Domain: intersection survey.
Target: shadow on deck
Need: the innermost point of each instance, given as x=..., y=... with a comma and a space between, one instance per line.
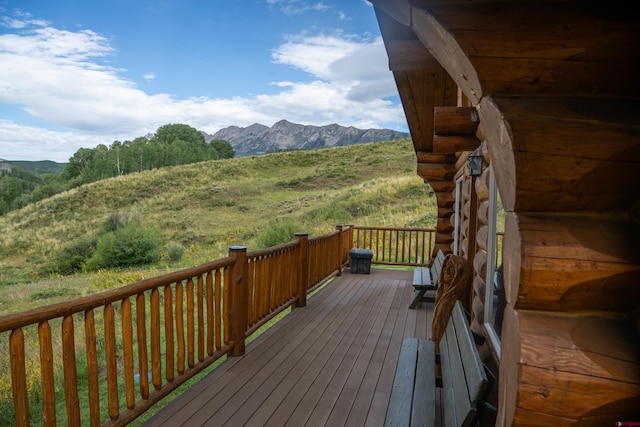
x=331, y=363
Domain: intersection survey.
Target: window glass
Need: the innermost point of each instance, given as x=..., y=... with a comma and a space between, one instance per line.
x=494, y=291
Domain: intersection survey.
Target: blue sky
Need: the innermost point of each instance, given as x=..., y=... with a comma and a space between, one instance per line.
x=78, y=73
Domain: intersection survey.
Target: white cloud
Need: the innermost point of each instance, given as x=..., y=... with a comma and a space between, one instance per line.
x=18, y=142
x=62, y=78
x=297, y=7
x=149, y=76
x=359, y=67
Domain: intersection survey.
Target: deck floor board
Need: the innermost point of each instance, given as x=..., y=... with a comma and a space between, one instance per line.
x=331, y=363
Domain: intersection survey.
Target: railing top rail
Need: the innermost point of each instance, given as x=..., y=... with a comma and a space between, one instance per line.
x=273, y=249
x=62, y=309
x=363, y=227
x=323, y=236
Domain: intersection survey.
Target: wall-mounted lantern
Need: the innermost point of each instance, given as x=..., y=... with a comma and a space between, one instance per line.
x=475, y=162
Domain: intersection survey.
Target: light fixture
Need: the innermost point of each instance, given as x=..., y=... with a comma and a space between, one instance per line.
x=475, y=161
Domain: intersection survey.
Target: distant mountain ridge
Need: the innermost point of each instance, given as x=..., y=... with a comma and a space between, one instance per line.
x=284, y=135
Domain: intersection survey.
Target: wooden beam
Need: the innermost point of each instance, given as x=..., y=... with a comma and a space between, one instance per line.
x=414, y=105
x=448, y=144
x=455, y=120
x=407, y=55
x=580, y=368
x=436, y=171
x=569, y=154
x=571, y=263
x=430, y=157
x=400, y=10
x=518, y=48
x=443, y=186
x=442, y=45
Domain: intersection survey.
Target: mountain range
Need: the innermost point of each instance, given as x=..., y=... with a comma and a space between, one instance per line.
x=284, y=135
x=260, y=139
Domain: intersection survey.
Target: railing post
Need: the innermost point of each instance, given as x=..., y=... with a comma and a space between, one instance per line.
x=238, y=307
x=303, y=268
x=349, y=242
x=339, y=251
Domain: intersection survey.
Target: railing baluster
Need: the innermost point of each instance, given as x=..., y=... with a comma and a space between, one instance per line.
x=252, y=312
x=280, y=281
x=179, y=335
x=266, y=284
x=70, y=373
x=112, y=362
x=190, y=324
x=19, y=378
x=210, y=314
x=156, y=363
x=225, y=305
x=143, y=367
x=92, y=367
x=46, y=375
x=384, y=245
x=127, y=343
x=394, y=258
x=200, y=318
x=218, y=312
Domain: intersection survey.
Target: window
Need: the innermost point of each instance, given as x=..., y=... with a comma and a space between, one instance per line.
x=494, y=291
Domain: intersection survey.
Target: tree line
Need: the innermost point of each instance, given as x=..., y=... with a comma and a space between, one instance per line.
x=171, y=145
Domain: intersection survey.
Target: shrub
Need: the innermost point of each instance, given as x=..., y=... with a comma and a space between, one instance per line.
x=131, y=244
x=278, y=232
x=72, y=258
x=176, y=251
x=117, y=220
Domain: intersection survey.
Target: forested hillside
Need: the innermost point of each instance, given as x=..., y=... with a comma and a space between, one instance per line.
x=171, y=145
x=22, y=183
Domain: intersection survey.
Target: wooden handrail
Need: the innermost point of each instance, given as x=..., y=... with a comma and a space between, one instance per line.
x=396, y=245
x=184, y=321
x=41, y=314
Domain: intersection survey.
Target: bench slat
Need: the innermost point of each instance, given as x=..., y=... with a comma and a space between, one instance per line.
x=399, y=412
x=474, y=370
x=455, y=380
x=421, y=277
x=448, y=399
x=423, y=411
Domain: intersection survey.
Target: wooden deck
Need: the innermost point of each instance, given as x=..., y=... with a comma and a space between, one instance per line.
x=331, y=363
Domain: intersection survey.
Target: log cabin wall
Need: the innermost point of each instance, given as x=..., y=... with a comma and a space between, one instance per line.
x=555, y=85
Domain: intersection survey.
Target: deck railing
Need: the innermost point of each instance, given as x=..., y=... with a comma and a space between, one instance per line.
x=136, y=344
x=396, y=246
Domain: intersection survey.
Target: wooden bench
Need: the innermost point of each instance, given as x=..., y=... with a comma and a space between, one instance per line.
x=426, y=279
x=464, y=380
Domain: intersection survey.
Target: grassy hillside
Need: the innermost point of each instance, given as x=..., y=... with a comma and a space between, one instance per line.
x=209, y=206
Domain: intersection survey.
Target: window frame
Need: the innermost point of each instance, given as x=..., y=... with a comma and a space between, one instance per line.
x=490, y=279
